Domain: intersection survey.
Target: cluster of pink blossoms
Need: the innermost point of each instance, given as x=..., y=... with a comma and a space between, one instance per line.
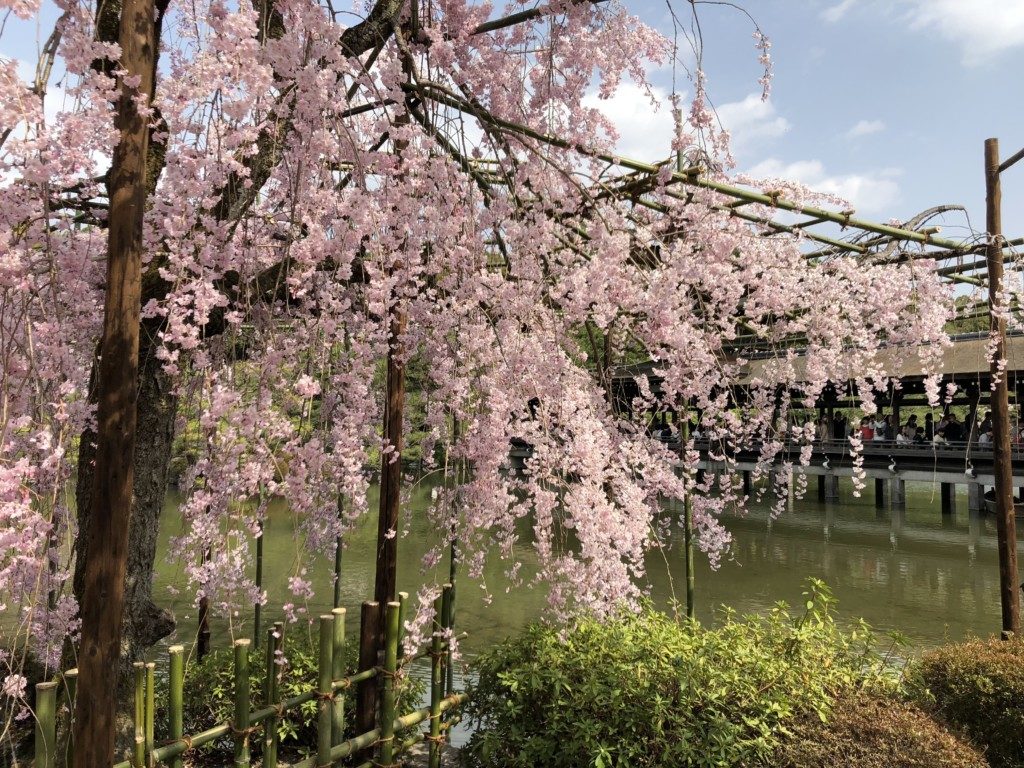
x=498, y=245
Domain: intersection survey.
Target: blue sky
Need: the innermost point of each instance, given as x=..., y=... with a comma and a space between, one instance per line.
x=885, y=103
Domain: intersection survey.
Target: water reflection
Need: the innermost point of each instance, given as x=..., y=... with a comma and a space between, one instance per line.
x=932, y=577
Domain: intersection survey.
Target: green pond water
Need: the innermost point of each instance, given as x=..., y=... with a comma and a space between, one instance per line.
x=933, y=578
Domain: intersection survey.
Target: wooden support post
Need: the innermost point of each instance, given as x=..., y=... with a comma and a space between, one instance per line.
x=880, y=493
x=747, y=483
x=366, y=697
x=831, y=487
x=821, y=487
x=1005, y=522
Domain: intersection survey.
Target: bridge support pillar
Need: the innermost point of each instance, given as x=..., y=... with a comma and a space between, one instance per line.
x=746, y=483
x=821, y=487
x=975, y=497
x=831, y=487
x=897, y=492
x=947, y=494
x=880, y=493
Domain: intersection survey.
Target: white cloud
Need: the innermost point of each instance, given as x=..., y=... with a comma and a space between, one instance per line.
x=645, y=129
x=868, y=193
x=865, y=128
x=982, y=28
x=834, y=13
x=751, y=120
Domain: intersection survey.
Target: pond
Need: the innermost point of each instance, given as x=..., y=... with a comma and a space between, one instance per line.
x=931, y=577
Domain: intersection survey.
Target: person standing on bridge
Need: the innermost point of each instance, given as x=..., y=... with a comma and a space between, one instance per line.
x=929, y=426
x=867, y=432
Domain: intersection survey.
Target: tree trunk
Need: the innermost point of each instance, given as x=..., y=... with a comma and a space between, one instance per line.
x=144, y=623
x=103, y=587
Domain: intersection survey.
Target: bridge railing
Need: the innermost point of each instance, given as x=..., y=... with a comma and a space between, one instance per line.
x=379, y=746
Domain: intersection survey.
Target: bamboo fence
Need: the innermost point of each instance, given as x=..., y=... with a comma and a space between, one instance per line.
x=375, y=748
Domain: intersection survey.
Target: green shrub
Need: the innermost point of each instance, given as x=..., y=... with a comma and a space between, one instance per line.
x=643, y=690
x=870, y=732
x=209, y=695
x=979, y=686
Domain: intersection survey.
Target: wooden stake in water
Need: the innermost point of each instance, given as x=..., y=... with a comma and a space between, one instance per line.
x=46, y=725
x=240, y=726
x=176, y=697
x=338, y=673
x=272, y=693
x=325, y=690
x=387, y=709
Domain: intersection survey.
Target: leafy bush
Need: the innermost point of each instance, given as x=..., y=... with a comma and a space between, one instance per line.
x=643, y=690
x=209, y=694
x=979, y=686
x=870, y=732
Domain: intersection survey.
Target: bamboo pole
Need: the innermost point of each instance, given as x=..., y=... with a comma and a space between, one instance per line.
x=339, y=543
x=447, y=595
x=46, y=724
x=272, y=694
x=999, y=401
x=176, y=698
x=139, y=747
x=403, y=598
x=436, y=687
x=688, y=532
x=449, y=616
x=240, y=723
x=70, y=690
x=387, y=710
x=258, y=607
x=150, y=711
x=325, y=691
x=338, y=673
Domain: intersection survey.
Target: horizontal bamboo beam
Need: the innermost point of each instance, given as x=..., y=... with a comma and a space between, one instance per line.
x=690, y=176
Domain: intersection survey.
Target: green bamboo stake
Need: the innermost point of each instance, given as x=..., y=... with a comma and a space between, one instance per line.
x=688, y=533
x=71, y=688
x=176, y=697
x=403, y=599
x=338, y=673
x=139, y=755
x=46, y=724
x=449, y=616
x=240, y=725
x=257, y=617
x=436, y=687
x=338, y=545
x=272, y=694
x=325, y=692
x=150, y=709
x=387, y=712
